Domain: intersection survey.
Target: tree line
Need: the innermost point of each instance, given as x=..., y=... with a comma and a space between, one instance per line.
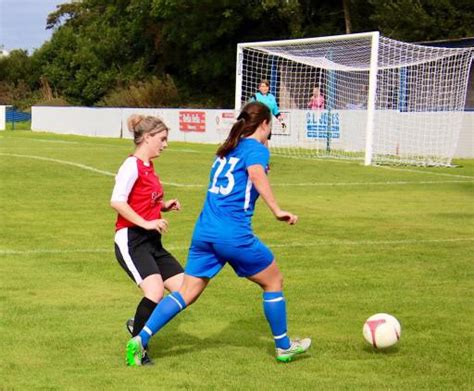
x=151, y=53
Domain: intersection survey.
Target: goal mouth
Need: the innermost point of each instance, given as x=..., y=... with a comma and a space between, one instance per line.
x=360, y=96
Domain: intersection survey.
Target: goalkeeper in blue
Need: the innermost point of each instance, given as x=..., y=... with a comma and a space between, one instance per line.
x=223, y=234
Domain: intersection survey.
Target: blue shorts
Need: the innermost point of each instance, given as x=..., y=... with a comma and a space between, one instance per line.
x=206, y=259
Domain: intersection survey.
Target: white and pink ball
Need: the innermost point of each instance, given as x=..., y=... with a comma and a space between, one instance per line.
x=382, y=330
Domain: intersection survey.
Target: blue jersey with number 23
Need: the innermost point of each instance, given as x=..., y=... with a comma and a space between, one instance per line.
x=231, y=196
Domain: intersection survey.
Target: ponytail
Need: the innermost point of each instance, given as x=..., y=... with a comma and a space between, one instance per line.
x=249, y=119
x=232, y=139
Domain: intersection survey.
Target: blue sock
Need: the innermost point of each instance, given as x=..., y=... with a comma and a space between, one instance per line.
x=162, y=314
x=274, y=306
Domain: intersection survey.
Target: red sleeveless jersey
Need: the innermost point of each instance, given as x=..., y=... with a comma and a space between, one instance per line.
x=137, y=184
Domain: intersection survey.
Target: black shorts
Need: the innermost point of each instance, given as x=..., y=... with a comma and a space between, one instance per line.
x=141, y=254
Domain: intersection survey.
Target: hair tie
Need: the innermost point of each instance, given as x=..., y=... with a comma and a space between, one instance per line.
x=243, y=115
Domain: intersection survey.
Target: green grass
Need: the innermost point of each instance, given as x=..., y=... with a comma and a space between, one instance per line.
x=369, y=240
x=22, y=125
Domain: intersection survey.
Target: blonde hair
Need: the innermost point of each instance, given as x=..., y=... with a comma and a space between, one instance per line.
x=140, y=125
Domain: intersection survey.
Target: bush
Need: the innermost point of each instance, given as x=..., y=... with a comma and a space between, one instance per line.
x=18, y=94
x=152, y=93
x=53, y=102
x=21, y=96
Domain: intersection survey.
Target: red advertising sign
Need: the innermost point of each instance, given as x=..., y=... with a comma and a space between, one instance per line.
x=224, y=121
x=230, y=115
x=192, y=121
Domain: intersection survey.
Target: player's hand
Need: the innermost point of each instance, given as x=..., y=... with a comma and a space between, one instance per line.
x=173, y=204
x=161, y=225
x=288, y=217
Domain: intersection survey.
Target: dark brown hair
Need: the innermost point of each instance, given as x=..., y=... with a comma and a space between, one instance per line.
x=249, y=119
x=139, y=125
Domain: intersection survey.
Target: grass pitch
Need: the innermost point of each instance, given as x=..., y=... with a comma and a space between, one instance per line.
x=369, y=239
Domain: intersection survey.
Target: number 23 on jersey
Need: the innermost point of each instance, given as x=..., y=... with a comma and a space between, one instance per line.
x=220, y=173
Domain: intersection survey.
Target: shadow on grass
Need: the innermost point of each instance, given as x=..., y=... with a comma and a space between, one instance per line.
x=251, y=333
x=386, y=351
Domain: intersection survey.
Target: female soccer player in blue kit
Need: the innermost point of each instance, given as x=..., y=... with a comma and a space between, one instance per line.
x=223, y=234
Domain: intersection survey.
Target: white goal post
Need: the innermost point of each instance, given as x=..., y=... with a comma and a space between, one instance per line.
x=385, y=101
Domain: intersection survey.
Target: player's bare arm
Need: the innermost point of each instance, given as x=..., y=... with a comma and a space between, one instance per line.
x=262, y=184
x=124, y=209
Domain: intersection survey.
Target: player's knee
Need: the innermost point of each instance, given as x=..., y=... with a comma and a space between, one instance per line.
x=174, y=283
x=154, y=295
x=274, y=284
x=278, y=283
x=192, y=288
x=276, y=280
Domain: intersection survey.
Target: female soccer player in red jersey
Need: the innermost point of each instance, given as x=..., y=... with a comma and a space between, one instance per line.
x=138, y=199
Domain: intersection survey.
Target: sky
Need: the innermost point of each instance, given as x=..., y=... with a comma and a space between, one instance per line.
x=23, y=23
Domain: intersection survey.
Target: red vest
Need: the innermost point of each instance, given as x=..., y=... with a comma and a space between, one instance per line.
x=146, y=196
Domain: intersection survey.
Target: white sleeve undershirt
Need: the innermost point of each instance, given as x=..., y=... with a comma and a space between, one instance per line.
x=125, y=179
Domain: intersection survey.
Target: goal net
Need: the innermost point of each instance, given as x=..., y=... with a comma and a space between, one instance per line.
x=379, y=100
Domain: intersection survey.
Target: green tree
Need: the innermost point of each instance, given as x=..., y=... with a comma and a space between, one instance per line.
x=19, y=78
x=423, y=20
x=98, y=45
x=103, y=49
x=18, y=67
x=199, y=39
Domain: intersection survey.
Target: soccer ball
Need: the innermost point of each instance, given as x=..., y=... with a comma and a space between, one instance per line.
x=382, y=330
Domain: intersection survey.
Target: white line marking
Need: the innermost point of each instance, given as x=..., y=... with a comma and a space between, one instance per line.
x=84, y=167
x=4, y=252
x=316, y=159
x=108, y=173
x=102, y=145
x=368, y=183
x=335, y=160
x=47, y=159
x=424, y=172
x=48, y=141
x=355, y=160
x=55, y=251
x=182, y=184
x=370, y=242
